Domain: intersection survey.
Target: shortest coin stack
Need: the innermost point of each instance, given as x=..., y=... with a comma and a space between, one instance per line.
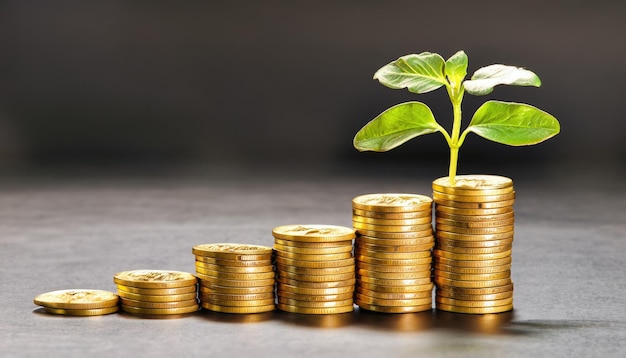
x=235, y=278
x=157, y=292
x=315, y=268
x=80, y=302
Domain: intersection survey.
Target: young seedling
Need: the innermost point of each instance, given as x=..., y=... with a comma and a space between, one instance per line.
x=508, y=123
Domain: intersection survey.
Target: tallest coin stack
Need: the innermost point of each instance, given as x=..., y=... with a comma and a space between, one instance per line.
x=474, y=235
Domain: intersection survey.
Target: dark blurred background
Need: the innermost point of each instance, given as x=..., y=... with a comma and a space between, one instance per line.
x=286, y=84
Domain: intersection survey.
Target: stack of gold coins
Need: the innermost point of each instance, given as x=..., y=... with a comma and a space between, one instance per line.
x=315, y=268
x=393, y=252
x=79, y=302
x=157, y=292
x=474, y=229
x=235, y=278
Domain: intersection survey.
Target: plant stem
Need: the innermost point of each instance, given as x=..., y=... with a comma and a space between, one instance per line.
x=456, y=96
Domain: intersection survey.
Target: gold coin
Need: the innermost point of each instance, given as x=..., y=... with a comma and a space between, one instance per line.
x=235, y=290
x=315, y=271
x=316, y=278
x=235, y=269
x=83, y=299
x=250, y=303
x=473, y=263
x=475, y=250
x=315, y=251
x=471, y=284
x=472, y=277
x=472, y=270
x=471, y=257
x=475, y=218
x=437, y=196
x=473, y=192
x=395, y=289
x=472, y=237
x=395, y=242
x=476, y=244
x=312, y=245
x=160, y=298
x=309, y=284
x=392, y=202
x=476, y=291
x=361, y=298
x=313, y=233
x=239, y=310
x=313, y=291
x=230, y=297
x=474, y=310
x=476, y=205
x=395, y=275
x=315, y=264
x=232, y=251
x=395, y=296
x=159, y=311
x=315, y=304
x=205, y=279
x=464, y=297
x=394, y=309
x=302, y=257
x=394, y=282
x=393, y=269
x=475, y=224
x=392, y=255
x=397, y=248
x=474, y=231
x=233, y=263
x=473, y=182
x=154, y=279
x=393, y=216
x=147, y=304
x=472, y=212
x=316, y=298
x=392, y=222
x=391, y=228
x=82, y=312
x=396, y=235
x=157, y=291
x=393, y=262
x=313, y=310
x=235, y=276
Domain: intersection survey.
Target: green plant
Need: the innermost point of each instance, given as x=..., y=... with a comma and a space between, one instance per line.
x=508, y=123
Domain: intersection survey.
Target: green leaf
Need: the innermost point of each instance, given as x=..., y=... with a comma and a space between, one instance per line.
x=418, y=73
x=485, y=79
x=513, y=123
x=456, y=68
x=395, y=126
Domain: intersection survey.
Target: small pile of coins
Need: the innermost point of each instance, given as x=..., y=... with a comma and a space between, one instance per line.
x=315, y=268
x=79, y=302
x=235, y=278
x=474, y=227
x=157, y=292
x=393, y=252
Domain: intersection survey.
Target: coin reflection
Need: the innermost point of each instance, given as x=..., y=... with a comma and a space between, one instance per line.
x=318, y=321
x=237, y=318
x=401, y=322
x=493, y=323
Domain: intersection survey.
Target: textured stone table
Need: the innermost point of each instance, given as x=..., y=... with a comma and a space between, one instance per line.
x=569, y=257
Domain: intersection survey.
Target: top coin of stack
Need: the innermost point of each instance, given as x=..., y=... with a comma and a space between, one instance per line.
x=315, y=268
x=235, y=278
x=393, y=252
x=79, y=302
x=474, y=227
x=157, y=292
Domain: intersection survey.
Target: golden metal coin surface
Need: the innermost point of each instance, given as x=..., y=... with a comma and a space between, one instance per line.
x=474, y=310
x=157, y=291
x=471, y=284
x=235, y=269
x=302, y=257
x=395, y=275
x=475, y=224
x=314, y=251
x=472, y=182
x=472, y=277
x=232, y=251
x=464, y=297
x=154, y=279
x=82, y=312
x=233, y=263
x=235, y=276
x=313, y=310
x=249, y=303
x=159, y=298
x=395, y=296
x=315, y=304
x=476, y=205
x=312, y=245
x=471, y=257
x=437, y=196
x=475, y=250
x=472, y=237
x=147, y=304
x=299, y=297
x=394, y=309
x=477, y=291
x=313, y=233
x=313, y=284
x=231, y=297
x=429, y=239
x=235, y=290
x=392, y=255
x=315, y=271
x=394, y=282
x=477, y=244
x=439, y=208
x=391, y=228
x=473, y=263
x=77, y=299
x=239, y=310
x=475, y=218
x=393, y=262
x=394, y=248
x=392, y=222
x=205, y=279
x=392, y=202
x=315, y=264
x=159, y=311
x=475, y=231
x=361, y=298
x=316, y=278
x=396, y=235
x=472, y=270
x=314, y=291
x=393, y=269
x=395, y=289
x=392, y=215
